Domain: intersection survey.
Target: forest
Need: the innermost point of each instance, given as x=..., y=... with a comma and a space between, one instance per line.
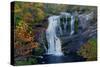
x=32, y=25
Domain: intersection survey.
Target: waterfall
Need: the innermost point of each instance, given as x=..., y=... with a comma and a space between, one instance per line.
x=53, y=31
x=65, y=22
x=72, y=25
x=58, y=28
x=54, y=43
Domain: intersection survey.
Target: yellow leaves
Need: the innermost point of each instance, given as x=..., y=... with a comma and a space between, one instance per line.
x=27, y=5
x=40, y=13
x=21, y=33
x=17, y=8
x=22, y=26
x=38, y=5
x=29, y=12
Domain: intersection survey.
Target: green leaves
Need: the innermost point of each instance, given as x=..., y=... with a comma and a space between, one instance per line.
x=89, y=50
x=26, y=62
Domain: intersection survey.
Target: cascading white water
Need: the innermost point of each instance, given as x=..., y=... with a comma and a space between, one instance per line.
x=54, y=28
x=54, y=43
x=72, y=25
x=65, y=23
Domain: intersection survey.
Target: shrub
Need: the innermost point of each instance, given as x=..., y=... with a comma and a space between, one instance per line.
x=89, y=50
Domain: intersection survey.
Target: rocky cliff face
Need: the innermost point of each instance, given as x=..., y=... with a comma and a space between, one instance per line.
x=87, y=29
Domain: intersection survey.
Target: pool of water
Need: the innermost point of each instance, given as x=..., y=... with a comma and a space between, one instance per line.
x=47, y=59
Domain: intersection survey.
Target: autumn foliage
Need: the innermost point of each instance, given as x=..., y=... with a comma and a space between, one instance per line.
x=25, y=16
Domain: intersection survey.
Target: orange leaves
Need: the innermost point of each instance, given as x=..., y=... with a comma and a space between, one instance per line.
x=25, y=49
x=34, y=44
x=26, y=15
x=21, y=32
x=24, y=36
